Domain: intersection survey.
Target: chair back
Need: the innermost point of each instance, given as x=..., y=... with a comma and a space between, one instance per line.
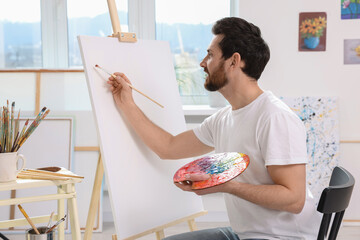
x=335, y=199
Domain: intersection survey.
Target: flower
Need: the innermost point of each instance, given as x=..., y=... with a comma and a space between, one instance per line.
x=357, y=50
x=321, y=22
x=305, y=26
x=346, y=3
x=312, y=27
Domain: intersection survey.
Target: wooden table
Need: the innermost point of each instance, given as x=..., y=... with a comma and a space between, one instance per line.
x=65, y=190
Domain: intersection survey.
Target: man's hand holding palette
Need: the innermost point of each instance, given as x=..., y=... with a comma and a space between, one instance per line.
x=221, y=167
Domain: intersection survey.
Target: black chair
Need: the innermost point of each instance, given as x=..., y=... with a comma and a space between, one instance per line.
x=335, y=199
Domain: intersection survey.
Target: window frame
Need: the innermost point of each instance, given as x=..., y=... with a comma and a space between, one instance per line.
x=54, y=27
x=54, y=34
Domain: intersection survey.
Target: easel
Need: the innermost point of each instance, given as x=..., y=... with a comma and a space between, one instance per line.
x=95, y=197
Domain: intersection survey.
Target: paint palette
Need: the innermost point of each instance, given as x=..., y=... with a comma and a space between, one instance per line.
x=222, y=167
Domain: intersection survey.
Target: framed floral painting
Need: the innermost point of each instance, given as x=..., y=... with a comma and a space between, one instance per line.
x=312, y=31
x=352, y=51
x=350, y=9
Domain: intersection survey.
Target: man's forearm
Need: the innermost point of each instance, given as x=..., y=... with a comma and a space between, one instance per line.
x=275, y=197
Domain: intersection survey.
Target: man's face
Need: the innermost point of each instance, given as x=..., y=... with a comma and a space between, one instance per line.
x=213, y=65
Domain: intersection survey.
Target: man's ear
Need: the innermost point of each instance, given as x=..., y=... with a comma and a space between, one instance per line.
x=236, y=61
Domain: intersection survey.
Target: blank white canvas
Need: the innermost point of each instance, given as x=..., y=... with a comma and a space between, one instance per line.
x=141, y=188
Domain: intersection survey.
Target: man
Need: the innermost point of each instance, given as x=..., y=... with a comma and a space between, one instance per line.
x=269, y=200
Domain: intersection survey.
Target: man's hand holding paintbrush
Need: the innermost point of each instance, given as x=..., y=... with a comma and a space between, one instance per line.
x=121, y=90
x=116, y=79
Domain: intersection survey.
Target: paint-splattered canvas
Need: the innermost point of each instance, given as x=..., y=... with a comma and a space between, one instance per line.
x=312, y=31
x=221, y=167
x=350, y=9
x=320, y=116
x=352, y=51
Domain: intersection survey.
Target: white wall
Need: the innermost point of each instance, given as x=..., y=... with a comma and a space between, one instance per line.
x=294, y=73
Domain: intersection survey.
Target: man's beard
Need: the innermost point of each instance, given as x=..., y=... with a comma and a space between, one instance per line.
x=217, y=79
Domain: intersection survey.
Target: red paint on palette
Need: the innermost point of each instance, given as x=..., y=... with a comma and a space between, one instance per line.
x=221, y=167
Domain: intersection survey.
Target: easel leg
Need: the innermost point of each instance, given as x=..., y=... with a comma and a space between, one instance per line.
x=95, y=197
x=192, y=225
x=160, y=234
x=61, y=213
x=73, y=212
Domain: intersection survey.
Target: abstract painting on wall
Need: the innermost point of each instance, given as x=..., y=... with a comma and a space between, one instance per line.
x=350, y=9
x=320, y=117
x=312, y=31
x=352, y=51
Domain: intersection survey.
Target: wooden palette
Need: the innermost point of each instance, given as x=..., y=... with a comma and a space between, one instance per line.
x=222, y=167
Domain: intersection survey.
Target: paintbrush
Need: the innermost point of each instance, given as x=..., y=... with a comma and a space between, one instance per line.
x=50, y=219
x=17, y=122
x=15, y=141
x=131, y=86
x=6, y=130
x=12, y=125
x=35, y=121
x=56, y=224
x=20, y=136
x=7, y=126
x=3, y=236
x=33, y=127
x=28, y=219
x=30, y=175
x=49, y=173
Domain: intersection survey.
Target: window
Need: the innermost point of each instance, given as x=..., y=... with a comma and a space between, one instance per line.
x=95, y=21
x=43, y=33
x=20, y=34
x=187, y=24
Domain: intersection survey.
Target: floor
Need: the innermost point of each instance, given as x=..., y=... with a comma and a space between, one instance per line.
x=345, y=233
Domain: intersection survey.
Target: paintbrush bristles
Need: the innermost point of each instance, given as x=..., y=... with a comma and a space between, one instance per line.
x=105, y=71
x=11, y=138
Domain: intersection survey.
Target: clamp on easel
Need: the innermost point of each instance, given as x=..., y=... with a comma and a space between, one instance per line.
x=115, y=22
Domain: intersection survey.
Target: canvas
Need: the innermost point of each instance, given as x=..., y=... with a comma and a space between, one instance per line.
x=352, y=51
x=312, y=31
x=320, y=117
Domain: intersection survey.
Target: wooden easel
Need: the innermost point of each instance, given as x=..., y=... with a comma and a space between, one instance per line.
x=95, y=197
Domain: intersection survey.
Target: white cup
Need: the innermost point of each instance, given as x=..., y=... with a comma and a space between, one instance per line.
x=9, y=166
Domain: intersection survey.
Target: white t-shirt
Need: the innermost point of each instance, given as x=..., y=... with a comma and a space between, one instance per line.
x=270, y=133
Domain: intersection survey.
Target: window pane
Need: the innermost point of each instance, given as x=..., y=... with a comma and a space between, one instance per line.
x=186, y=24
x=95, y=21
x=20, y=34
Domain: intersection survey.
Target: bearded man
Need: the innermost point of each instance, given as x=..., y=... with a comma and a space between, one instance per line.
x=270, y=199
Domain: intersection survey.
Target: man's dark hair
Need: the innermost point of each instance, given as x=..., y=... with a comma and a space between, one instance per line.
x=244, y=38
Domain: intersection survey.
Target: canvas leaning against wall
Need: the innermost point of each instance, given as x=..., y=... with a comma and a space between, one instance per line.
x=320, y=117
x=312, y=31
x=352, y=51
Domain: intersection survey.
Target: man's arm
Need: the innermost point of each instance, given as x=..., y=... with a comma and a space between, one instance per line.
x=286, y=194
x=165, y=145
